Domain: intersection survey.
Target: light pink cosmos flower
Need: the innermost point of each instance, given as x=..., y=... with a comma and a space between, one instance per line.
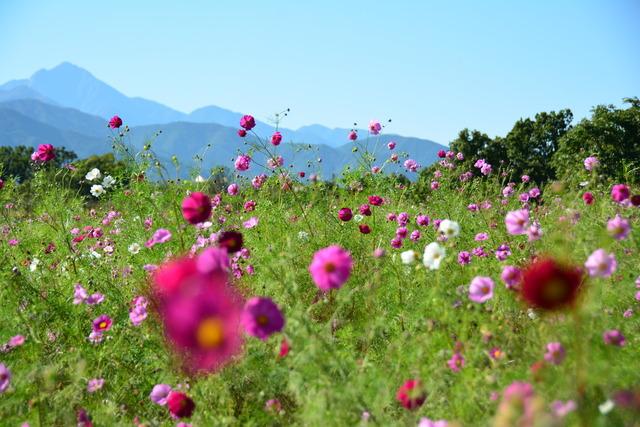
x=511, y=276
x=160, y=236
x=159, y=394
x=426, y=422
x=517, y=222
x=5, y=378
x=562, y=409
x=331, y=267
x=242, y=162
x=250, y=223
x=614, y=337
x=555, y=353
x=481, y=289
x=601, y=264
x=232, y=189
x=618, y=227
x=375, y=127
x=138, y=311
x=95, y=384
x=591, y=162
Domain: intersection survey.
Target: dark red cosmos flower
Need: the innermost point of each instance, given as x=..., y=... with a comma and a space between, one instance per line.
x=364, y=228
x=588, y=197
x=635, y=200
x=231, y=240
x=375, y=200
x=550, y=285
x=180, y=405
x=442, y=154
x=242, y=133
x=411, y=395
x=196, y=208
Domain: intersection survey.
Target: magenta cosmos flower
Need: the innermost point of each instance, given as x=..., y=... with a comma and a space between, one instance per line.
x=481, y=289
x=44, y=153
x=620, y=193
x=601, y=264
x=180, y=405
x=456, y=362
x=161, y=235
x=353, y=135
x=261, y=318
x=196, y=208
x=411, y=395
x=375, y=127
x=200, y=314
x=511, y=276
x=276, y=138
x=331, y=267
x=242, y=162
x=614, y=337
x=345, y=214
x=247, y=122
x=115, y=122
x=517, y=221
x=102, y=323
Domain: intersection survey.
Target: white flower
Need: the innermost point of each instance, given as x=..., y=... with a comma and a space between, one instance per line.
x=433, y=255
x=358, y=217
x=199, y=178
x=408, y=257
x=97, y=190
x=34, y=264
x=96, y=255
x=108, y=181
x=606, y=407
x=449, y=228
x=532, y=314
x=93, y=174
x=303, y=235
x=134, y=248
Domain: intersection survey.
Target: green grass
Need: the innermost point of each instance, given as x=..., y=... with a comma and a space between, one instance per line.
x=350, y=349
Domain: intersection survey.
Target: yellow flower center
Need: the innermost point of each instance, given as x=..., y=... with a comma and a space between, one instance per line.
x=102, y=324
x=210, y=333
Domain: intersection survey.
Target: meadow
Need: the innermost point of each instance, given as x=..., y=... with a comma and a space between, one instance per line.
x=473, y=298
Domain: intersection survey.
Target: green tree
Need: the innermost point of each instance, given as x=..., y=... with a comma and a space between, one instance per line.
x=612, y=135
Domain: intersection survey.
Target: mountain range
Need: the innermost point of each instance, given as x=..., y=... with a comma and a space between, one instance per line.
x=67, y=106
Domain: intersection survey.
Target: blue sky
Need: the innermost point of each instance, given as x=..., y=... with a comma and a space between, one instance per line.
x=433, y=67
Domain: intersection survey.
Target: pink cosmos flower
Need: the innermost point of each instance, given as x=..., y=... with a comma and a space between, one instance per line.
x=411, y=395
x=464, y=258
x=391, y=145
x=426, y=422
x=486, y=169
x=620, y=193
x=375, y=200
x=481, y=289
x=331, y=267
x=562, y=409
x=79, y=294
x=102, y=323
x=525, y=178
x=588, y=198
x=5, y=378
x=95, y=384
x=200, y=314
x=618, y=227
x=233, y=189
x=247, y=122
x=511, y=276
x=601, y=264
x=261, y=318
x=555, y=353
x=517, y=221
x=353, y=135
x=507, y=191
x=16, y=341
x=242, y=162
x=365, y=210
x=115, y=122
x=258, y=181
x=276, y=138
x=44, y=153
x=138, y=311
x=375, y=127
x=160, y=236
x=159, y=394
x=591, y=162
x=456, y=362
x=534, y=192
x=481, y=237
x=614, y=337
x=411, y=165
x=213, y=259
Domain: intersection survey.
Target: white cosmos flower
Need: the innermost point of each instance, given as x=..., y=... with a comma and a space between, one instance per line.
x=433, y=255
x=96, y=255
x=449, y=228
x=97, y=190
x=199, y=178
x=34, y=264
x=134, y=248
x=303, y=235
x=408, y=257
x=358, y=217
x=108, y=181
x=93, y=174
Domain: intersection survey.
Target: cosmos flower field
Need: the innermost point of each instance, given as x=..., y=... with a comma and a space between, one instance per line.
x=276, y=298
